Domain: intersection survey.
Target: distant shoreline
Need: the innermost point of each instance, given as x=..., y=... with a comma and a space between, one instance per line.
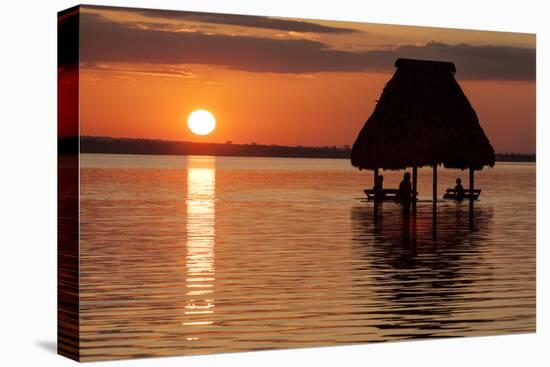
x=108, y=145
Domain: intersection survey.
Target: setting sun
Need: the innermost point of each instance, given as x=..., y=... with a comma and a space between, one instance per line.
x=201, y=122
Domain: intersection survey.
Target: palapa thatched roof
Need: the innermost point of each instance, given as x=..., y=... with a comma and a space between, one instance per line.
x=422, y=118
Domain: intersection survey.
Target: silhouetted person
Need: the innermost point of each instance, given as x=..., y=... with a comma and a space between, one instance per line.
x=379, y=188
x=459, y=189
x=405, y=191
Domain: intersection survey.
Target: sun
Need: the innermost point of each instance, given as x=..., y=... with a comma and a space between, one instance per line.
x=201, y=122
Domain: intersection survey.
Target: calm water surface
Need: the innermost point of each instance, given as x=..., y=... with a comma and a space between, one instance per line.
x=193, y=255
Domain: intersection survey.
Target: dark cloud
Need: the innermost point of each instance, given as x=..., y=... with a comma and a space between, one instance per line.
x=478, y=62
x=252, y=21
x=106, y=41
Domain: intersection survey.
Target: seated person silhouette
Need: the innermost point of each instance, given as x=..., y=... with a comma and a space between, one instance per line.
x=459, y=189
x=405, y=191
x=379, y=189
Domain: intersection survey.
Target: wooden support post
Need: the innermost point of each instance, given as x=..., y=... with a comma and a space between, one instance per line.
x=414, y=183
x=434, y=209
x=471, y=184
x=435, y=184
x=376, y=204
x=471, y=206
x=434, y=222
x=375, y=198
x=414, y=186
x=413, y=214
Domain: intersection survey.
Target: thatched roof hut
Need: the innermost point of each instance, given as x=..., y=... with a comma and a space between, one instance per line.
x=422, y=118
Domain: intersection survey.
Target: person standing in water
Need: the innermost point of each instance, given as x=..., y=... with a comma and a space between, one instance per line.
x=379, y=188
x=405, y=190
x=459, y=189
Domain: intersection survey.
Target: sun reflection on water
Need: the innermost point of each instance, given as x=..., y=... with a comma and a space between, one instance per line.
x=201, y=187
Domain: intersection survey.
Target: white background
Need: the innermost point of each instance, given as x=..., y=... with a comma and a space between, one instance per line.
x=28, y=182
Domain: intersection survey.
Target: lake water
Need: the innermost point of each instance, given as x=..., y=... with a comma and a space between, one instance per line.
x=191, y=255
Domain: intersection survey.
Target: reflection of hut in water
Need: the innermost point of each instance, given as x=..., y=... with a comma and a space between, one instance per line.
x=422, y=119
x=422, y=284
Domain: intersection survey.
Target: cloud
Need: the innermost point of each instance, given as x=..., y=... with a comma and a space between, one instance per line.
x=106, y=41
x=252, y=21
x=479, y=62
x=171, y=71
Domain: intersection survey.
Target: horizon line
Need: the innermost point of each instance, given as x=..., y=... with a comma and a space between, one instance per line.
x=253, y=143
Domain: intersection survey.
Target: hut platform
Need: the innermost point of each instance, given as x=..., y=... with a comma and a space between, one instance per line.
x=467, y=195
x=388, y=195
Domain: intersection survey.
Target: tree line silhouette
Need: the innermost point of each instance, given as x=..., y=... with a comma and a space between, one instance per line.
x=109, y=145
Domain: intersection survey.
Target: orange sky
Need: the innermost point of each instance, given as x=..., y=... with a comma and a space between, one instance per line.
x=281, y=81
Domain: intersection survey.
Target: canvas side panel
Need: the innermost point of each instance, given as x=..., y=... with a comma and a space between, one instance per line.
x=68, y=327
